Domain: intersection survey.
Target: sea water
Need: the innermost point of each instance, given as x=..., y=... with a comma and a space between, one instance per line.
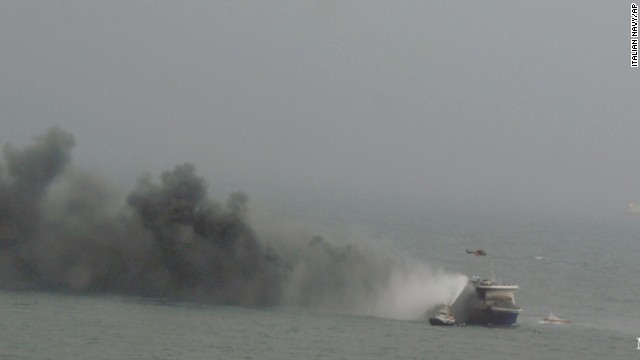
x=588, y=272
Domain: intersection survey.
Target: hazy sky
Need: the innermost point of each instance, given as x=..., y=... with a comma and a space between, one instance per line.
x=500, y=104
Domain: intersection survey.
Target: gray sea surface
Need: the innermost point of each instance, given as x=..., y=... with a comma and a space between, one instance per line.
x=588, y=272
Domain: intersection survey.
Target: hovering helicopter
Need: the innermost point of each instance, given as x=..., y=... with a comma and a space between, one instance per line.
x=478, y=252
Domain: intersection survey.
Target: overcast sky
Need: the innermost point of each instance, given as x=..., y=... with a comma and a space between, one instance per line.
x=501, y=104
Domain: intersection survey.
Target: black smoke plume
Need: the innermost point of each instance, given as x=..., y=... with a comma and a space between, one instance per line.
x=62, y=229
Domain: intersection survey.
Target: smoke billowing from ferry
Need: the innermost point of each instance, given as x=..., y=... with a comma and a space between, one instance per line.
x=62, y=229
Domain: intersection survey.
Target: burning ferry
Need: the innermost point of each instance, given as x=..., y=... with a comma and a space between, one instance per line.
x=487, y=302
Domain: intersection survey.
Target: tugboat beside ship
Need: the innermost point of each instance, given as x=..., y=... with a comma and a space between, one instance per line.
x=444, y=318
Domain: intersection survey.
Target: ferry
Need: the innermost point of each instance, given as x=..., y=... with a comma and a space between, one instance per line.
x=497, y=305
x=488, y=302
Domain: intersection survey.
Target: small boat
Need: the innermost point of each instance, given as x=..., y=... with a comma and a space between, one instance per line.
x=552, y=319
x=444, y=318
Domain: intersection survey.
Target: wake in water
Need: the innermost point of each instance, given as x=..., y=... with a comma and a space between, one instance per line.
x=61, y=229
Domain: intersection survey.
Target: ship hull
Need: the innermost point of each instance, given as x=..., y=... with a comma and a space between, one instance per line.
x=438, y=322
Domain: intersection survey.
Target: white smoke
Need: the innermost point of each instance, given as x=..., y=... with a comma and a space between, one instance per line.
x=415, y=288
